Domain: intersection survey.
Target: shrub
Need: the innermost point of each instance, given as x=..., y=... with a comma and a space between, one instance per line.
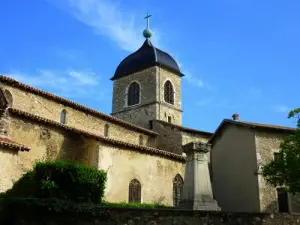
x=62, y=180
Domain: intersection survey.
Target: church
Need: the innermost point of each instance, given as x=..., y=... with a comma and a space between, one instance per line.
x=140, y=144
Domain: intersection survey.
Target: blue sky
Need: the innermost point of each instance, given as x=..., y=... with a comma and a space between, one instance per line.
x=238, y=55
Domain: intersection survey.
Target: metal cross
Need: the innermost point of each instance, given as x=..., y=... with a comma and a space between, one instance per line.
x=148, y=18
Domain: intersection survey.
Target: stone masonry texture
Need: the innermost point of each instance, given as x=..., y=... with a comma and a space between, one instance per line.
x=114, y=216
x=152, y=104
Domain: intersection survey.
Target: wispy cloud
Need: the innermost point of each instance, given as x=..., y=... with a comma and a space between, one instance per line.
x=193, y=80
x=281, y=108
x=108, y=18
x=68, y=83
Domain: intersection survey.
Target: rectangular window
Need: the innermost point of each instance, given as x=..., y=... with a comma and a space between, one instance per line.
x=276, y=156
x=283, y=202
x=169, y=119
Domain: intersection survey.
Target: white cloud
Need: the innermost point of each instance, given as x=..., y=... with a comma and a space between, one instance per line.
x=107, y=18
x=67, y=83
x=193, y=80
x=281, y=108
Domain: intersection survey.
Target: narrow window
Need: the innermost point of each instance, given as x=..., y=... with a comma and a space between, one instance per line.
x=277, y=156
x=169, y=92
x=9, y=97
x=63, y=116
x=134, y=191
x=106, y=130
x=133, y=97
x=177, y=189
x=283, y=203
x=140, y=140
x=169, y=119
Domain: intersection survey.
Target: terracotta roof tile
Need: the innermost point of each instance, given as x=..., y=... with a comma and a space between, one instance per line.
x=8, y=143
x=15, y=83
x=139, y=148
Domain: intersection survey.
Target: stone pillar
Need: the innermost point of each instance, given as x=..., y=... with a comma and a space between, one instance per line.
x=197, y=190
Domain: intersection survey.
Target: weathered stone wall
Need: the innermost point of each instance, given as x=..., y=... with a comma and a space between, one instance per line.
x=147, y=81
x=140, y=114
x=171, y=138
x=166, y=109
x=154, y=173
x=41, y=106
x=8, y=163
x=123, y=164
x=152, y=104
x=113, y=216
x=234, y=181
x=268, y=143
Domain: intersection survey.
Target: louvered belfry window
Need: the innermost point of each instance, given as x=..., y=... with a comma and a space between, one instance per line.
x=169, y=92
x=133, y=94
x=134, y=191
x=177, y=189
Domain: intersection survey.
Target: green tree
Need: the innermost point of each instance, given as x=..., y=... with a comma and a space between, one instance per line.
x=285, y=170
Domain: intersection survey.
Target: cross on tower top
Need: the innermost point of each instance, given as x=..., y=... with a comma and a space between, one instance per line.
x=147, y=32
x=147, y=17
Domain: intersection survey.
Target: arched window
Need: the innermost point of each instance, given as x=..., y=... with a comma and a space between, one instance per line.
x=140, y=140
x=63, y=116
x=133, y=95
x=106, y=130
x=134, y=191
x=169, y=92
x=9, y=97
x=177, y=189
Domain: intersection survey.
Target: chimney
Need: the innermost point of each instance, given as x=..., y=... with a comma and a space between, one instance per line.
x=235, y=116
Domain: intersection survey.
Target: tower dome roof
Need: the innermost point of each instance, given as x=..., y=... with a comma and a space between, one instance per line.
x=146, y=56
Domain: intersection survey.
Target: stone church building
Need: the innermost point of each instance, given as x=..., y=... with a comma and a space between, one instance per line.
x=140, y=143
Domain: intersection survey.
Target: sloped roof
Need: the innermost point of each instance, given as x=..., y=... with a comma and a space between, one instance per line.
x=145, y=57
x=15, y=83
x=246, y=124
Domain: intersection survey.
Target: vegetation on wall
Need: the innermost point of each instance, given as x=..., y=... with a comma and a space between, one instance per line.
x=285, y=170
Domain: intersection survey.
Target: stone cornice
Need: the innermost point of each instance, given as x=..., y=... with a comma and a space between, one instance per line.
x=15, y=83
x=125, y=145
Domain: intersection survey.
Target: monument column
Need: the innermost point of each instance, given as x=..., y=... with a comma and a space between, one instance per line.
x=197, y=190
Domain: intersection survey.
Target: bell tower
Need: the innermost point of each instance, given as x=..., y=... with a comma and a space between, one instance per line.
x=147, y=86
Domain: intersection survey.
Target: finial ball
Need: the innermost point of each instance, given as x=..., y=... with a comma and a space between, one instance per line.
x=147, y=33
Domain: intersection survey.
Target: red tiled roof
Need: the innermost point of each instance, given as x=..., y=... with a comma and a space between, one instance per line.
x=74, y=105
x=8, y=143
x=139, y=148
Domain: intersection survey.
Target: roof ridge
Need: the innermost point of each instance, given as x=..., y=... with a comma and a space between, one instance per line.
x=142, y=148
x=75, y=105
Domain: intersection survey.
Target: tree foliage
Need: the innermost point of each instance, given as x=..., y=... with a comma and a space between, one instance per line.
x=61, y=180
x=285, y=170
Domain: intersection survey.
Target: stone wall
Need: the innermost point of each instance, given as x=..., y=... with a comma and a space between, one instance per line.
x=268, y=143
x=172, y=137
x=152, y=104
x=123, y=164
x=114, y=216
x=46, y=108
x=165, y=109
x=9, y=161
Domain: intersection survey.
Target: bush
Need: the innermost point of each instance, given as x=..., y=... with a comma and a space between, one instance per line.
x=62, y=180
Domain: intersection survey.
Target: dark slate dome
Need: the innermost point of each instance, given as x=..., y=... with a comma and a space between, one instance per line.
x=145, y=57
